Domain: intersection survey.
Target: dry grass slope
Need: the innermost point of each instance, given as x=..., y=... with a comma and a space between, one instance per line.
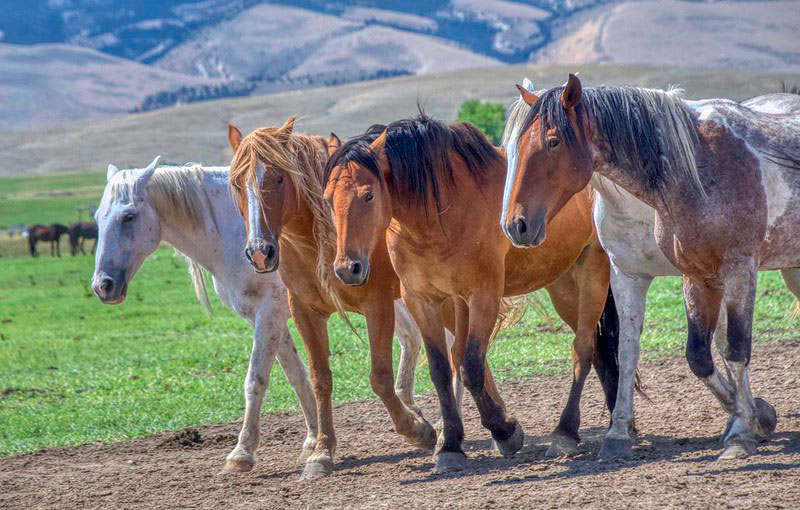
x=197, y=132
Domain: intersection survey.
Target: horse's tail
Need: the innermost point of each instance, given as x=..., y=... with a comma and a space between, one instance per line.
x=511, y=312
x=607, y=353
x=200, y=287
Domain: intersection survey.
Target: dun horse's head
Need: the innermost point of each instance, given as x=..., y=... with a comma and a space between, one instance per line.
x=128, y=231
x=358, y=196
x=263, y=190
x=547, y=162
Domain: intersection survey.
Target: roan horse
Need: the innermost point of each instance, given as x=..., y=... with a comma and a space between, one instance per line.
x=78, y=233
x=433, y=192
x=190, y=208
x=50, y=233
x=724, y=181
x=276, y=178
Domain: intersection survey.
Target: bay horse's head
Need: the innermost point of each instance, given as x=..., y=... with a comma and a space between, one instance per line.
x=357, y=194
x=547, y=160
x=128, y=231
x=263, y=189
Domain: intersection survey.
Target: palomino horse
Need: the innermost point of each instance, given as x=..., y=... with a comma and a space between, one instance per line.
x=276, y=178
x=724, y=182
x=433, y=192
x=80, y=232
x=190, y=208
x=50, y=233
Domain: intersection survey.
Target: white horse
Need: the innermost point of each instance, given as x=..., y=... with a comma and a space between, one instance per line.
x=626, y=228
x=190, y=208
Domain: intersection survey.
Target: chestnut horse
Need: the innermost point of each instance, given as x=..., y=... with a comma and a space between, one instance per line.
x=724, y=181
x=276, y=178
x=433, y=193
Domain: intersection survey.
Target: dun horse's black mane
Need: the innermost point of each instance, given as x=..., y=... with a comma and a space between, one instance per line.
x=419, y=153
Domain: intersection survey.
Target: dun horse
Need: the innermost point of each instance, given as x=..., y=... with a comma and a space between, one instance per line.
x=80, y=232
x=50, y=233
x=433, y=193
x=276, y=178
x=724, y=181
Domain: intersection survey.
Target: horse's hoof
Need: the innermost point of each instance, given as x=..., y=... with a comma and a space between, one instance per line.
x=513, y=444
x=738, y=448
x=615, y=449
x=767, y=417
x=425, y=437
x=447, y=462
x=562, y=445
x=317, y=468
x=239, y=465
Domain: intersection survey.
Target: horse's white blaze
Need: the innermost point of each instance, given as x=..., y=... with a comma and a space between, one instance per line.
x=256, y=235
x=512, y=158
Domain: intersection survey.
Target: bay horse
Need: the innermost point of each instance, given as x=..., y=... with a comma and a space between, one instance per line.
x=276, y=180
x=80, y=232
x=433, y=192
x=50, y=233
x=724, y=181
x=190, y=208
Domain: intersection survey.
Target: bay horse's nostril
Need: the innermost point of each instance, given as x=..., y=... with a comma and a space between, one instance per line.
x=270, y=253
x=355, y=268
x=522, y=226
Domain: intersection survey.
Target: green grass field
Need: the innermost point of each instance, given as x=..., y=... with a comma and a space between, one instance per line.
x=73, y=370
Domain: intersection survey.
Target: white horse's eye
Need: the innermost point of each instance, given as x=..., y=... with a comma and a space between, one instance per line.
x=128, y=218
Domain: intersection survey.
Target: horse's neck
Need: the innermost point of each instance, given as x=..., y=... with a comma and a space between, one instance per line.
x=208, y=245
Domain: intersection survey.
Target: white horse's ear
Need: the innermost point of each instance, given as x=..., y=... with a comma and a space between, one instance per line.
x=112, y=171
x=144, y=177
x=528, y=85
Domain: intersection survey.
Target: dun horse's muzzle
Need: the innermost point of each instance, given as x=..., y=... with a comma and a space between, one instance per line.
x=264, y=256
x=353, y=272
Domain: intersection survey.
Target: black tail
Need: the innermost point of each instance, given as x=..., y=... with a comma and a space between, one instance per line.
x=606, y=352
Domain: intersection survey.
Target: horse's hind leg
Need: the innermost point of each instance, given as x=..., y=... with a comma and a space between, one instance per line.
x=751, y=416
x=410, y=342
x=630, y=295
x=587, y=279
x=506, y=431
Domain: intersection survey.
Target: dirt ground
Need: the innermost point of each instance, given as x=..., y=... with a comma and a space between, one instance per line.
x=673, y=466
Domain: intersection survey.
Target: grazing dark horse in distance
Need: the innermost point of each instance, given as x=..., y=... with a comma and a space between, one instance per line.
x=724, y=181
x=78, y=233
x=50, y=233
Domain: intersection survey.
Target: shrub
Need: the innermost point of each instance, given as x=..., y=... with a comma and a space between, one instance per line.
x=488, y=117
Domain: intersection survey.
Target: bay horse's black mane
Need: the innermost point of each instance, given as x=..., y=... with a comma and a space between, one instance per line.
x=419, y=153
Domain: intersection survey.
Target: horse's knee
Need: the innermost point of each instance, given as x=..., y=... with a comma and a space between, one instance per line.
x=472, y=367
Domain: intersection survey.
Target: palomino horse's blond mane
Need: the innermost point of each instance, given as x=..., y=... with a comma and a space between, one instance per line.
x=303, y=157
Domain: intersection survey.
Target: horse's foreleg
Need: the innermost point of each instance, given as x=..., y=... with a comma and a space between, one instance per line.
x=312, y=327
x=410, y=342
x=630, y=295
x=428, y=316
x=506, y=431
x=265, y=343
x=380, y=326
x=297, y=376
x=751, y=416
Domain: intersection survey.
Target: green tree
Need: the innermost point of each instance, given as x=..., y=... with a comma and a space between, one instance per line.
x=488, y=117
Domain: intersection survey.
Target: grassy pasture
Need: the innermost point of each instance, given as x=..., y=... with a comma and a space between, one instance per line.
x=75, y=371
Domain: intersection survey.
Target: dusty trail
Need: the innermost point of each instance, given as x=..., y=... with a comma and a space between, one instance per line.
x=673, y=465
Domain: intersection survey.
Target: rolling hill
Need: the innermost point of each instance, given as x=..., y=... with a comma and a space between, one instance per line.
x=197, y=132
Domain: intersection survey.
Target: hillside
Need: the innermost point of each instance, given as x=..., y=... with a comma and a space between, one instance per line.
x=197, y=132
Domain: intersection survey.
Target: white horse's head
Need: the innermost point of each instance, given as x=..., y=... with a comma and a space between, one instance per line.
x=128, y=231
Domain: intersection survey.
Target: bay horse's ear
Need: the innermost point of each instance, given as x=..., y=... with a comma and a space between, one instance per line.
x=572, y=93
x=333, y=144
x=529, y=97
x=234, y=137
x=379, y=146
x=111, y=172
x=144, y=177
x=288, y=126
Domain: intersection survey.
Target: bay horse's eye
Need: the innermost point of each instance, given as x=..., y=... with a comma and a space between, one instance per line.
x=552, y=143
x=128, y=218
x=369, y=197
x=280, y=179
